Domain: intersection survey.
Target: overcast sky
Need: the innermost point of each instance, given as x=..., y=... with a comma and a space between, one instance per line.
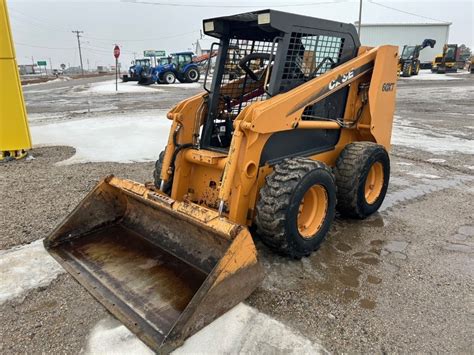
x=42, y=29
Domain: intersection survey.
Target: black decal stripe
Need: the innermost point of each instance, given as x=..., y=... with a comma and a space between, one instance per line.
x=325, y=90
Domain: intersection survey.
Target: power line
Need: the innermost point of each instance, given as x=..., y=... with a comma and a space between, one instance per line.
x=406, y=12
x=78, y=34
x=31, y=21
x=103, y=50
x=34, y=46
x=142, y=39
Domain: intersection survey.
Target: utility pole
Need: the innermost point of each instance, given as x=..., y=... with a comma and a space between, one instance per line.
x=79, y=46
x=51, y=65
x=360, y=17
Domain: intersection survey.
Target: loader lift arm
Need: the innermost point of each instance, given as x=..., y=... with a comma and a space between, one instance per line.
x=285, y=113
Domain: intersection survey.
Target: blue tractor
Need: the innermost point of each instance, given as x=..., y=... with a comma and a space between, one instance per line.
x=135, y=71
x=177, y=66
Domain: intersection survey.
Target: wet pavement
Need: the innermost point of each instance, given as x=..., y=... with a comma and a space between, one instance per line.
x=77, y=98
x=399, y=281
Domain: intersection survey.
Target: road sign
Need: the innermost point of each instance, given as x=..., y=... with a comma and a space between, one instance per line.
x=42, y=63
x=116, y=55
x=154, y=53
x=116, y=51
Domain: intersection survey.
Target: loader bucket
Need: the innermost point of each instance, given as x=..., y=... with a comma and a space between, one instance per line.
x=164, y=268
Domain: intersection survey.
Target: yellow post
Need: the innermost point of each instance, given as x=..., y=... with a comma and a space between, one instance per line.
x=14, y=132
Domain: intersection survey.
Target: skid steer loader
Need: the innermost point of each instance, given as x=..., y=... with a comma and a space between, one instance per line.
x=301, y=131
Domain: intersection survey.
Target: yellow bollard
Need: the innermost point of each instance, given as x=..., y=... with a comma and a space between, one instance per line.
x=15, y=137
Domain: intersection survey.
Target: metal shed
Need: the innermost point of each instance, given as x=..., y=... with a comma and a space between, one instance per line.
x=400, y=34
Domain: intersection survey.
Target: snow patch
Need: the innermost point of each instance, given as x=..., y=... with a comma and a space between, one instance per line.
x=417, y=138
x=183, y=85
x=24, y=268
x=404, y=163
x=427, y=187
x=435, y=160
x=242, y=330
x=109, y=336
x=424, y=176
x=135, y=137
x=52, y=81
x=428, y=75
x=108, y=87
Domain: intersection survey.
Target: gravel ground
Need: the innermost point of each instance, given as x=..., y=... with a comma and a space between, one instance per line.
x=390, y=284
x=398, y=282
x=55, y=319
x=37, y=194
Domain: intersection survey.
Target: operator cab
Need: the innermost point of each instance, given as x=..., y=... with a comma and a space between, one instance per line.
x=180, y=60
x=142, y=62
x=450, y=53
x=408, y=52
x=264, y=53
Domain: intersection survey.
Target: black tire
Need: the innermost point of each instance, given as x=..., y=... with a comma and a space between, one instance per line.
x=192, y=75
x=157, y=173
x=352, y=170
x=417, y=68
x=407, y=70
x=278, y=209
x=168, y=78
x=124, y=78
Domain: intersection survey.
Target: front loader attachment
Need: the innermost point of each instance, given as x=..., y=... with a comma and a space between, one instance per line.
x=145, y=80
x=164, y=268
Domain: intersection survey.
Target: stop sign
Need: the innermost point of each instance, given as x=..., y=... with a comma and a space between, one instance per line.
x=116, y=51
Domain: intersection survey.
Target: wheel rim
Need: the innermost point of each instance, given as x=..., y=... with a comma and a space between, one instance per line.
x=374, y=183
x=312, y=211
x=169, y=79
x=193, y=75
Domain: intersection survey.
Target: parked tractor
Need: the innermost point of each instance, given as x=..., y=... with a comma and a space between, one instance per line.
x=135, y=71
x=409, y=63
x=447, y=62
x=178, y=66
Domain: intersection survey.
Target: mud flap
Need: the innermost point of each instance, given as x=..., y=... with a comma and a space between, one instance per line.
x=164, y=268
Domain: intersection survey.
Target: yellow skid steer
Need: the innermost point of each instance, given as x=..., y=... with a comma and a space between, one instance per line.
x=294, y=123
